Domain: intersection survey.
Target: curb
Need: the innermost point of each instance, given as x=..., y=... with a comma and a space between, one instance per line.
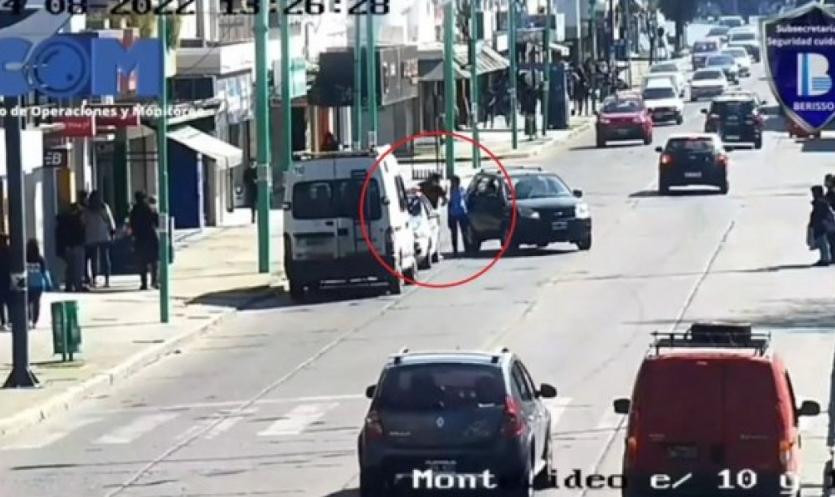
x=104, y=380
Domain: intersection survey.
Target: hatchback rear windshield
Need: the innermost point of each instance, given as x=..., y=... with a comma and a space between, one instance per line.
x=664, y=68
x=335, y=198
x=704, y=47
x=742, y=37
x=736, y=52
x=539, y=186
x=435, y=387
x=690, y=145
x=657, y=93
x=621, y=106
x=703, y=75
x=720, y=60
x=735, y=107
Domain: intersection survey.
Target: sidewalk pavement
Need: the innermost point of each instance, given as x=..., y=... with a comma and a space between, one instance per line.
x=121, y=332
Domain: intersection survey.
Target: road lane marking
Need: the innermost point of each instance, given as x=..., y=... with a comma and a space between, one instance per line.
x=49, y=437
x=610, y=420
x=295, y=421
x=234, y=403
x=135, y=429
x=228, y=423
x=557, y=407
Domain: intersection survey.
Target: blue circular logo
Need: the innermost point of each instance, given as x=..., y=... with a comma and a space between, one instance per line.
x=59, y=67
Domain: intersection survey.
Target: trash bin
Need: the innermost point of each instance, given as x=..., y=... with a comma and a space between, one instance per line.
x=66, y=331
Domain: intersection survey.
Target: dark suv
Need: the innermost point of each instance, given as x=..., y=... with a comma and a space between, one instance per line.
x=456, y=413
x=547, y=210
x=693, y=159
x=736, y=118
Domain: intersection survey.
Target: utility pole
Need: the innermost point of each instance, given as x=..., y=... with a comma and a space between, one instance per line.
x=286, y=98
x=371, y=57
x=579, y=53
x=162, y=174
x=357, y=107
x=546, y=72
x=21, y=376
x=475, y=7
x=511, y=19
x=262, y=122
x=449, y=85
x=627, y=40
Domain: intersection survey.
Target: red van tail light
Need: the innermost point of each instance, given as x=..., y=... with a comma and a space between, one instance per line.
x=786, y=453
x=373, y=425
x=513, y=423
x=666, y=159
x=390, y=241
x=631, y=451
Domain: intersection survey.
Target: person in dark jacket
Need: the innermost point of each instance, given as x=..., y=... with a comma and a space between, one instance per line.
x=37, y=279
x=5, y=280
x=433, y=190
x=251, y=189
x=69, y=241
x=829, y=184
x=821, y=223
x=144, y=222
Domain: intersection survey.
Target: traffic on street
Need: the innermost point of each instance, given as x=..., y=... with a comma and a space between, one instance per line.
x=638, y=304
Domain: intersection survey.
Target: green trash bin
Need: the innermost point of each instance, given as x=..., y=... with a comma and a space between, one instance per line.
x=66, y=331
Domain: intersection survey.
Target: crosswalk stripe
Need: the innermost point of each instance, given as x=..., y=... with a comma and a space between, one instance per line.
x=295, y=421
x=557, y=407
x=49, y=437
x=228, y=423
x=135, y=429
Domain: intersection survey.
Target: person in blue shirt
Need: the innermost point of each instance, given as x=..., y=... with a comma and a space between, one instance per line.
x=38, y=280
x=456, y=212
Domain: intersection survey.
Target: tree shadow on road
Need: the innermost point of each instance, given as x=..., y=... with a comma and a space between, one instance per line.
x=513, y=254
x=238, y=298
x=624, y=144
x=349, y=492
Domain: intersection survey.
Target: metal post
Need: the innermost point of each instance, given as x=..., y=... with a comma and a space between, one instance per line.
x=357, y=107
x=627, y=40
x=262, y=113
x=546, y=72
x=21, y=376
x=579, y=54
x=475, y=7
x=449, y=85
x=162, y=174
x=286, y=98
x=511, y=19
x=371, y=50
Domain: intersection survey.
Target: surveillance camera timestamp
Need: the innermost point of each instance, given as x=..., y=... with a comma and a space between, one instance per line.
x=187, y=7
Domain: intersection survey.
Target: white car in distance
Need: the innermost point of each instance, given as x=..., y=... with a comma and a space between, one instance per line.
x=663, y=102
x=707, y=83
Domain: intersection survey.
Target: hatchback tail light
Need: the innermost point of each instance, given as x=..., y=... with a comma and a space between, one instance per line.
x=786, y=453
x=514, y=425
x=390, y=241
x=666, y=159
x=373, y=425
x=604, y=120
x=631, y=450
x=637, y=119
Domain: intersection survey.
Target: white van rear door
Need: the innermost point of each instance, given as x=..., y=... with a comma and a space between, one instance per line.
x=315, y=227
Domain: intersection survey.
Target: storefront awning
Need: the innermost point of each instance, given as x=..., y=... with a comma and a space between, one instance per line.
x=226, y=155
x=564, y=50
x=488, y=61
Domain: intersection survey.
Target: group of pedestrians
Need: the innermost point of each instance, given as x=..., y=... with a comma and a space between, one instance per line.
x=83, y=237
x=588, y=84
x=821, y=227
x=455, y=202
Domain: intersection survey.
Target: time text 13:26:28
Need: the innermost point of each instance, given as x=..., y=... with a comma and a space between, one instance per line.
x=306, y=7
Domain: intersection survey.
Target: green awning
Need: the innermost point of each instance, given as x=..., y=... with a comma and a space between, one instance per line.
x=488, y=61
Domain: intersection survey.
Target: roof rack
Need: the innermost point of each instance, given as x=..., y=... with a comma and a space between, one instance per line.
x=714, y=335
x=399, y=356
x=499, y=352
x=492, y=168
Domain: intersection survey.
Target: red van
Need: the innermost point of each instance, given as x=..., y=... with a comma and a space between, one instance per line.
x=723, y=411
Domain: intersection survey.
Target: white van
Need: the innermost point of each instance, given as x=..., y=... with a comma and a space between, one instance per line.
x=323, y=241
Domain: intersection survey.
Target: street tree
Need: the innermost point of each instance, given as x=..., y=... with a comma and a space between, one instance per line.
x=680, y=12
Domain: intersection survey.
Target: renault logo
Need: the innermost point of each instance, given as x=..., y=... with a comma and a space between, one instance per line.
x=439, y=422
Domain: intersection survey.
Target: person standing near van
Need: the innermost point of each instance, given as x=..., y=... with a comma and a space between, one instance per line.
x=821, y=223
x=38, y=280
x=456, y=212
x=69, y=240
x=433, y=190
x=99, y=229
x=251, y=189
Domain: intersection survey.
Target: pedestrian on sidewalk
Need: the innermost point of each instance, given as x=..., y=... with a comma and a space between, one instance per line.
x=433, y=190
x=329, y=143
x=251, y=189
x=821, y=223
x=99, y=229
x=5, y=280
x=581, y=90
x=457, y=212
x=144, y=222
x=829, y=185
x=38, y=280
x=69, y=242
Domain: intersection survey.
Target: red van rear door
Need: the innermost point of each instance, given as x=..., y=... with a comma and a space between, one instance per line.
x=753, y=423
x=680, y=415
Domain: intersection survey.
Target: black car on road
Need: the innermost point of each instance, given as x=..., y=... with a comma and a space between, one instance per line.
x=456, y=413
x=547, y=210
x=736, y=118
x=693, y=159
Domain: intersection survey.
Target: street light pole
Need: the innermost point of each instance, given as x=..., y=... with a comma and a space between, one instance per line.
x=371, y=57
x=263, y=137
x=357, y=107
x=286, y=97
x=449, y=85
x=162, y=175
x=511, y=19
x=474, y=95
x=546, y=72
x=21, y=376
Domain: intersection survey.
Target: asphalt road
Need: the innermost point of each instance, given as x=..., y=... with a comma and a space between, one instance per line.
x=271, y=404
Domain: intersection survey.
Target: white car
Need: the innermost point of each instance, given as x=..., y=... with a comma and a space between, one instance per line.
x=667, y=68
x=663, y=102
x=665, y=76
x=426, y=224
x=746, y=38
x=743, y=61
x=707, y=83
